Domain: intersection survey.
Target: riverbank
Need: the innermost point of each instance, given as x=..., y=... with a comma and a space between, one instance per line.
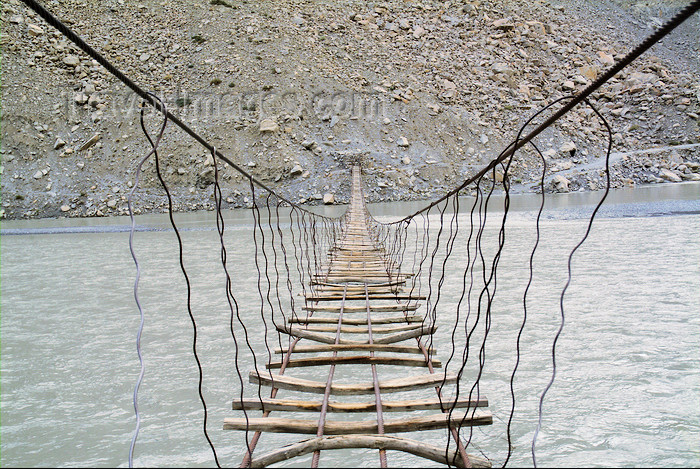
x=642, y=201
x=423, y=94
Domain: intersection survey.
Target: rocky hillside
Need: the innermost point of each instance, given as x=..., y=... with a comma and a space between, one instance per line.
x=424, y=93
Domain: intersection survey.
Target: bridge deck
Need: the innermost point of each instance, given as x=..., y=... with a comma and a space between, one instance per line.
x=360, y=281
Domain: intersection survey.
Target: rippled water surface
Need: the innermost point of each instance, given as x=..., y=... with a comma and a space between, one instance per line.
x=628, y=367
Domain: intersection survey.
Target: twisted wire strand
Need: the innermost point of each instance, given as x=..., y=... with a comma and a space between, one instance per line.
x=257, y=226
x=485, y=291
x=469, y=331
x=527, y=288
x=277, y=273
x=462, y=294
x=142, y=365
x=568, y=280
x=454, y=227
x=288, y=281
x=530, y=278
x=230, y=298
x=189, y=288
x=456, y=323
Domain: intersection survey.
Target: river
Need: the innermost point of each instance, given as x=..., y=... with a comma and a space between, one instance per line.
x=628, y=367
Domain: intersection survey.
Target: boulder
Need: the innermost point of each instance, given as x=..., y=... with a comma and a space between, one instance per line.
x=669, y=175
x=71, y=60
x=296, y=170
x=560, y=183
x=268, y=125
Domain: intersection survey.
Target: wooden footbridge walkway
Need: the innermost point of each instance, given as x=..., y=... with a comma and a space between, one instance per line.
x=360, y=312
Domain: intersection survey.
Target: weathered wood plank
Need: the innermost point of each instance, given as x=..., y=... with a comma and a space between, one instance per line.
x=398, y=296
x=385, y=284
x=295, y=405
x=414, y=424
x=315, y=336
x=355, y=348
x=386, y=442
x=363, y=330
x=359, y=288
x=399, y=336
x=362, y=309
x=363, y=359
x=393, y=286
x=362, y=279
x=390, y=385
x=356, y=321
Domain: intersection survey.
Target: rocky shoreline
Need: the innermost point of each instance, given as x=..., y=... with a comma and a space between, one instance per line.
x=424, y=94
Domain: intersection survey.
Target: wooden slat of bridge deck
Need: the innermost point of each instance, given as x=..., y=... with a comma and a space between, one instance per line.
x=358, y=278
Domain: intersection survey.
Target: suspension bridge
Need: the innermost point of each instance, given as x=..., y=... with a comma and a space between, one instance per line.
x=360, y=305
x=363, y=298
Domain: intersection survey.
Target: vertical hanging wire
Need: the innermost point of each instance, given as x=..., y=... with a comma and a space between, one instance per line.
x=454, y=330
x=187, y=281
x=277, y=273
x=568, y=280
x=530, y=275
x=257, y=226
x=139, y=166
x=230, y=298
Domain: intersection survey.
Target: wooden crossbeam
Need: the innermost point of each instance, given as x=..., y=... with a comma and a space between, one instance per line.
x=340, y=285
x=415, y=331
x=386, y=442
x=390, y=385
x=355, y=321
x=315, y=336
x=372, y=296
x=355, y=348
x=295, y=405
x=424, y=422
x=362, y=309
x=399, y=336
x=355, y=360
x=363, y=330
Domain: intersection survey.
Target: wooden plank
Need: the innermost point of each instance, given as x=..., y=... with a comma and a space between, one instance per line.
x=353, y=360
x=384, y=284
x=358, y=288
x=360, y=272
x=315, y=336
x=363, y=330
x=415, y=331
x=361, y=279
x=351, y=287
x=399, y=336
x=413, y=318
x=356, y=258
x=399, y=296
x=355, y=348
x=390, y=385
x=414, y=424
x=385, y=442
x=359, y=264
x=382, y=276
x=362, y=309
x=295, y=405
